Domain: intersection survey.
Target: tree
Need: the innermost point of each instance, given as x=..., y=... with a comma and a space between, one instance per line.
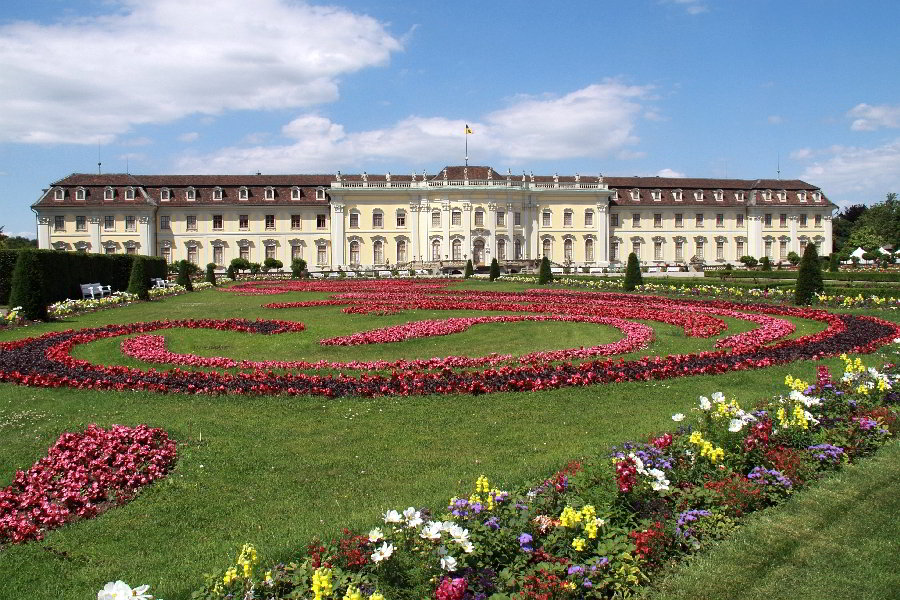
x=272, y=263
x=211, y=273
x=239, y=264
x=27, y=287
x=633, y=277
x=255, y=268
x=545, y=275
x=865, y=236
x=139, y=282
x=298, y=268
x=495, y=269
x=809, y=279
x=833, y=263
x=469, y=270
x=765, y=264
x=749, y=261
x=185, y=269
x=793, y=258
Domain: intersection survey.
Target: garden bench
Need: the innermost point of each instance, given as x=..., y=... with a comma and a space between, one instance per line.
x=95, y=290
x=159, y=282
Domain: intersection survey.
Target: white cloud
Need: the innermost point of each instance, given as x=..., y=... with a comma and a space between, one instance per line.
x=669, y=173
x=870, y=118
x=851, y=174
x=775, y=120
x=190, y=136
x=801, y=153
x=153, y=62
x=595, y=121
x=693, y=7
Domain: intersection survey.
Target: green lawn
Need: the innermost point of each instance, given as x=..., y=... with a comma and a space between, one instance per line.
x=276, y=471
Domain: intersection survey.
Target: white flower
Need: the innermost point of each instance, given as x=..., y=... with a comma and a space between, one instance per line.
x=735, y=425
x=412, y=517
x=448, y=563
x=810, y=418
x=718, y=397
x=456, y=532
x=467, y=546
x=661, y=484
x=431, y=531
x=383, y=553
x=638, y=463
x=392, y=516
x=376, y=535
x=119, y=590
x=704, y=403
x=678, y=417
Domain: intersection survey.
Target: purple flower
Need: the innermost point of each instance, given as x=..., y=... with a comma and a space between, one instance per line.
x=587, y=583
x=576, y=570
x=492, y=523
x=525, y=542
x=827, y=453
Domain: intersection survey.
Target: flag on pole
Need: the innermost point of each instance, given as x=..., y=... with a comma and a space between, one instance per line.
x=468, y=129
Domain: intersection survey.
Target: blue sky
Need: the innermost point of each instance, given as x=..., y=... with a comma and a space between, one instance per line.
x=698, y=88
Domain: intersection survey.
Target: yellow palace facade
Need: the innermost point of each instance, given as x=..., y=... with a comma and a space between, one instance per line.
x=434, y=221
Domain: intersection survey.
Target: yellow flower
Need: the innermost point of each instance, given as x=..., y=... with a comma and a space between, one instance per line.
x=321, y=583
x=352, y=593
x=569, y=585
x=376, y=595
x=230, y=575
x=578, y=544
x=696, y=438
x=569, y=517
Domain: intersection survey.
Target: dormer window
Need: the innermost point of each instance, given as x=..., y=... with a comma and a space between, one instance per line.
x=817, y=196
x=698, y=195
x=59, y=193
x=320, y=193
x=719, y=195
x=190, y=194
x=129, y=193
x=244, y=193
x=801, y=196
x=767, y=195
x=217, y=193
x=676, y=195
x=270, y=193
x=295, y=193
x=739, y=196
x=782, y=196
x=165, y=194
x=636, y=195
x=109, y=193
x=80, y=194
x=657, y=195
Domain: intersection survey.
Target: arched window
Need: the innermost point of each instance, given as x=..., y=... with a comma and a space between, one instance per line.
x=567, y=249
x=501, y=249
x=517, y=249
x=401, y=251
x=354, y=252
x=378, y=252
x=546, y=248
x=457, y=250
x=589, y=250
x=436, y=244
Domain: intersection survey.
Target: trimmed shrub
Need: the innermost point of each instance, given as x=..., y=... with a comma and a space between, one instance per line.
x=545, y=275
x=495, y=269
x=28, y=289
x=8, y=260
x=765, y=264
x=793, y=258
x=809, y=279
x=255, y=268
x=470, y=270
x=211, y=273
x=633, y=276
x=749, y=261
x=139, y=282
x=298, y=268
x=231, y=273
x=185, y=270
x=272, y=263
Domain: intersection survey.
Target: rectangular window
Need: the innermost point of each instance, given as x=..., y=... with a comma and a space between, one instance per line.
x=321, y=255
x=679, y=220
x=614, y=219
x=217, y=222
x=110, y=249
x=614, y=250
x=818, y=220
x=782, y=249
x=636, y=248
x=270, y=221
x=164, y=222
x=768, y=250
x=401, y=220
x=59, y=223
x=191, y=223
x=720, y=250
x=782, y=220
x=456, y=219
x=354, y=220
x=109, y=223
x=130, y=223
x=767, y=220
x=698, y=219
x=679, y=250
x=435, y=218
x=296, y=221
x=546, y=218
x=636, y=219
x=501, y=218
x=802, y=220
x=700, y=249
x=720, y=220
x=296, y=251
x=588, y=218
x=517, y=219
x=377, y=220
x=219, y=255
x=244, y=252
x=657, y=251
x=80, y=223
x=321, y=222
x=167, y=254
x=739, y=246
x=567, y=218
x=243, y=221
x=192, y=254
x=657, y=219
x=270, y=251
x=739, y=219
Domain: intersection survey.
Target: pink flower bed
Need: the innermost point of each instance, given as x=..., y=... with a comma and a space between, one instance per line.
x=82, y=475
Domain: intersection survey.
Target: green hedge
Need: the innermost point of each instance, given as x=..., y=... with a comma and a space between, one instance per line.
x=7, y=265
x=62, y=273
x=840, y=276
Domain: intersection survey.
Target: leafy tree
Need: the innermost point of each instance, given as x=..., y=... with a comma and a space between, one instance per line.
x=545, y=275
x=469, y=270
x=633, y=277
x=211, y=273
x=865, y=236
x=884, y=221
x=255, y=268
x=834, y=263
x=843, y=224
x=809, y=279
x=749, y=261
x=239, y=264
x=765, y=264
x=298, y=268
x=27, y=288
x=139, y=282
x=272, y=263
x=793, y=258
x=495, y=269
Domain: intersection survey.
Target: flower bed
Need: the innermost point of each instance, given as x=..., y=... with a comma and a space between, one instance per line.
x=46, y=361
x=604, y=527
x=82, y=475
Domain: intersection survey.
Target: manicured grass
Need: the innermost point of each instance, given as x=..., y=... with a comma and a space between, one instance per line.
x=276, y=471
x=838, y=540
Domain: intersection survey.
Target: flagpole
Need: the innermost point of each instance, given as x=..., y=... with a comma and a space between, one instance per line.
x=466, y=135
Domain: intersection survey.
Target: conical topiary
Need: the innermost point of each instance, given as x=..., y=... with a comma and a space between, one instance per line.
x=184, y=275
x=545, y=275
x=211, y=273
x=470, y=270
x=27, y=287
x=633, y=276
x=809, y=279
x=834, y=263
x=495, y=269
x=139, y=282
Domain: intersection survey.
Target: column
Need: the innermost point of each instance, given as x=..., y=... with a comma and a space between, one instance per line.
x=754, y=236
x=95, y=234
x=795, y=243
x=526, y=229
x=827, y=247
x=511, y=232
x=601, y=249
x=445, y=225
x=467, y=230
x=43, y=231
x=414, y=232
x=491, y=250
x=534, y=241
x=337, y=235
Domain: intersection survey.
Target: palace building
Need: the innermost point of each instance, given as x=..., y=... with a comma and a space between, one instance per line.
x=434, y=222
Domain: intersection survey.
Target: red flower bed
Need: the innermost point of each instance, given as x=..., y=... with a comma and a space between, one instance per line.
x=82, y=475
x=46, y=360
